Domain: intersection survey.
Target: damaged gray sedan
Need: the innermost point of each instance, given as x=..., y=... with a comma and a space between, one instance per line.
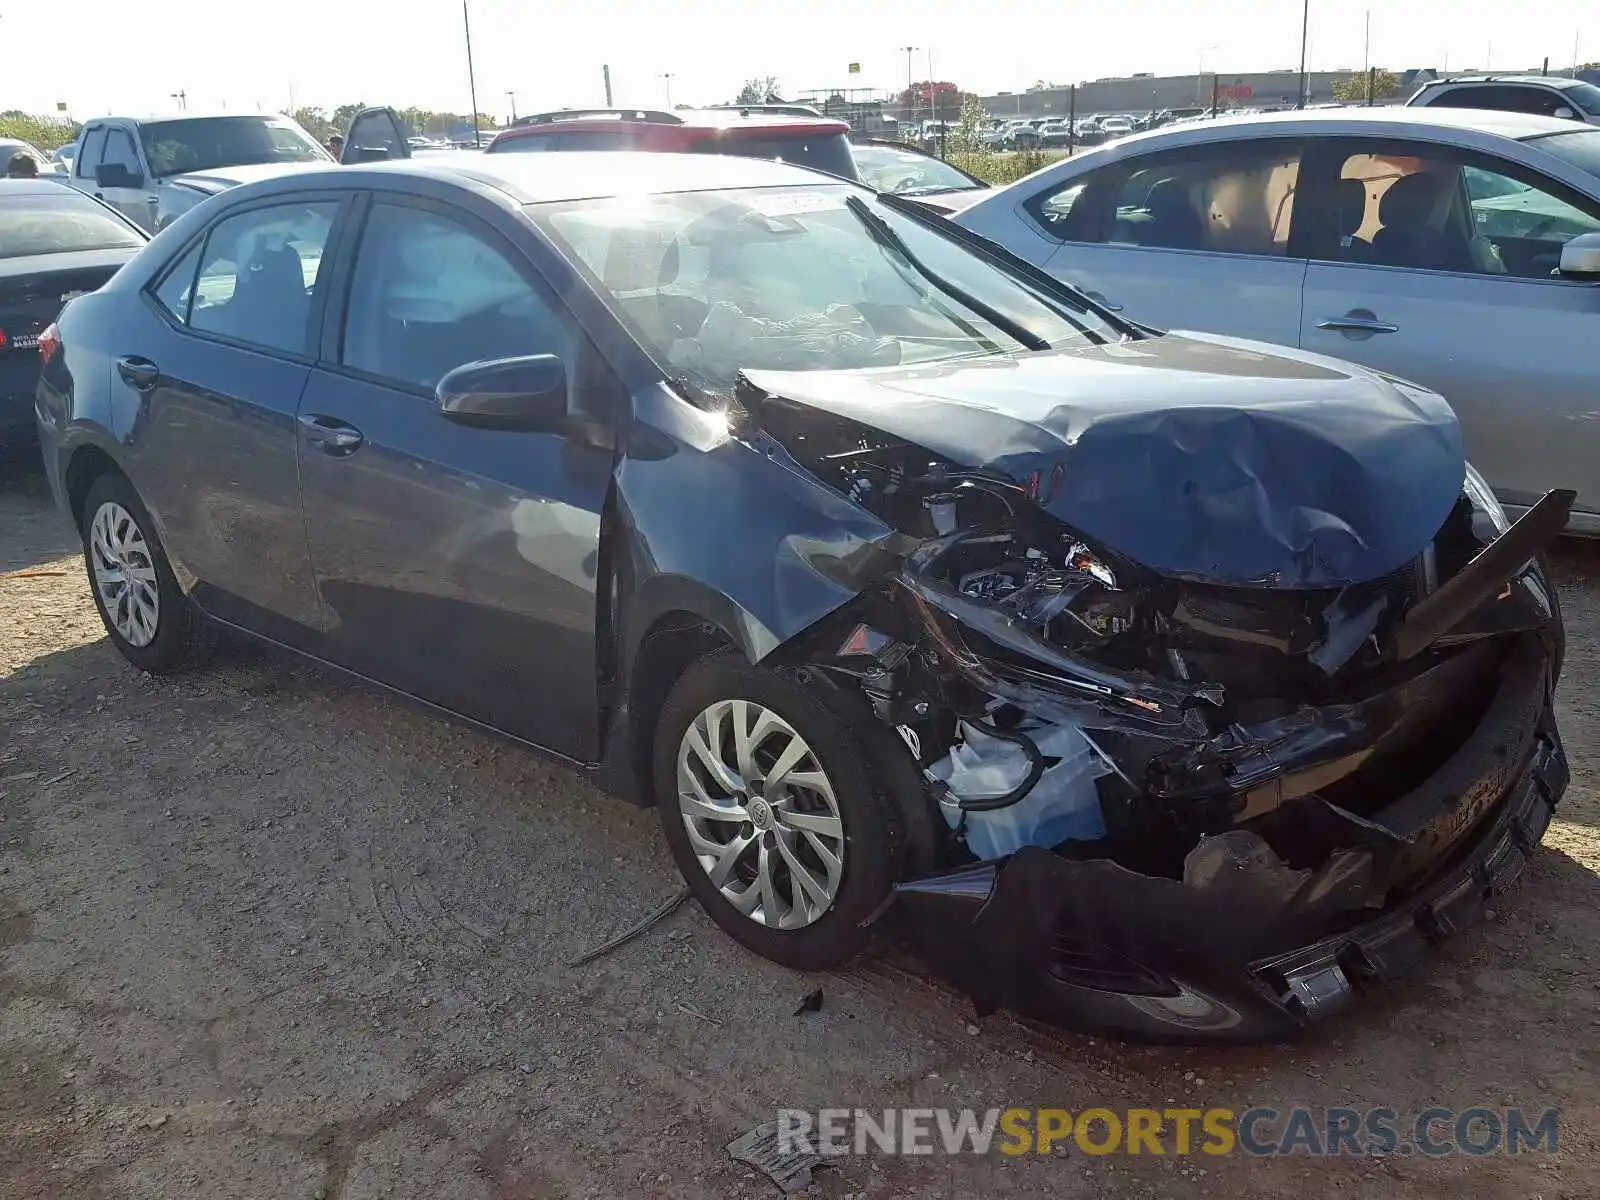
x=1172, y=686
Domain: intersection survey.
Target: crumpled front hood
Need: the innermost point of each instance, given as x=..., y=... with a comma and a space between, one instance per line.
x=1202, y=457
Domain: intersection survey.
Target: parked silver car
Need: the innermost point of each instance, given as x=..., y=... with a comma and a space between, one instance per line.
x=1456, y=247
x=1542, y=95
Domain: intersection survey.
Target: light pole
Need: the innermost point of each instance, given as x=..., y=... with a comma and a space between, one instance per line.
x=666, y=77
x=911, y=96
x=1200, y=72
x=183, y=100
x=512, y=96
x=1305, y=29
x=472, y=82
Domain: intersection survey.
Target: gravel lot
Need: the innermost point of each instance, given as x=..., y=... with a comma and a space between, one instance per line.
x=263, y=934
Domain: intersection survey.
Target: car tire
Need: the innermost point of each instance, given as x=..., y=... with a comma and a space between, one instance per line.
x=838, y=796
x=148, y=618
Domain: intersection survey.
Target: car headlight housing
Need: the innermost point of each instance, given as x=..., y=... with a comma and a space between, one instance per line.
x=1489, y=519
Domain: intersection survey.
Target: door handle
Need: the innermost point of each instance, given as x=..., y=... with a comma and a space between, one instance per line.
x=1098, y=297
x=138, y=373
x=331, y=435
x=1358, y=320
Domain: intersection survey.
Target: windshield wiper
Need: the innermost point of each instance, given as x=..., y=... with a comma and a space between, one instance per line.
x=884, y=235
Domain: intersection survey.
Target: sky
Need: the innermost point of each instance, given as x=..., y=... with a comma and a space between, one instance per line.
x=328, y=52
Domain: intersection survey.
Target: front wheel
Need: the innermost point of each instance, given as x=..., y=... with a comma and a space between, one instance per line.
x=149, y=619
x=770, y=810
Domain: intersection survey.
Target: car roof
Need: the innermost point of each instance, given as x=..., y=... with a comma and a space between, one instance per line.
x=692, y=118
x=1555, y=81
x=572, y=174
x=185, y=115
x=1359, y=119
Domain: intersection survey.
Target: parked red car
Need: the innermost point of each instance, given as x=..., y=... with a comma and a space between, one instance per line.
x=808, y=141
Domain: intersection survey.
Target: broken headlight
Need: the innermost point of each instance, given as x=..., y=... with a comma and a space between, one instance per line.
x=1062, y=580
x=1489, y=519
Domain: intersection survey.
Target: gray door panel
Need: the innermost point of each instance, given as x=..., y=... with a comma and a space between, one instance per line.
x=1239, y=295
x=458, y=564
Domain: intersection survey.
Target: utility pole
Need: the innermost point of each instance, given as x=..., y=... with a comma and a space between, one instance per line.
x=605, y=73
x=1305, y=30
x=911, y=96
x=1366, y=44
x=472, y=81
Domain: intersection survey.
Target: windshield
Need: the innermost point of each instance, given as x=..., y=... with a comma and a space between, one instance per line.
x=59, y=224
x=717, y=282
x=888, y=170
x=828, y=152
x=1585, y=96
x=1581, y=148
x=206, y=143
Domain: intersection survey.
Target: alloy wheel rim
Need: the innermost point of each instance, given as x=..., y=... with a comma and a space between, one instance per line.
x=124, y=574
x=761, y=814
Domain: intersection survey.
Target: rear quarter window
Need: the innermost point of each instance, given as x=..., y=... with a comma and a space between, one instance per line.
x=574, y=139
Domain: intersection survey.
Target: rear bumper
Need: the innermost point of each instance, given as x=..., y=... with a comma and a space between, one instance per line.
x=1090, y=944
x=19, y=373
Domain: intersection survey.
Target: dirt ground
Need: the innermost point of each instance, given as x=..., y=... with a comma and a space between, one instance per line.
x=263, y=934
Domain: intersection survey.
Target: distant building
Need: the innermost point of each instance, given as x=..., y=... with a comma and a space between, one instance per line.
x=1144, y=93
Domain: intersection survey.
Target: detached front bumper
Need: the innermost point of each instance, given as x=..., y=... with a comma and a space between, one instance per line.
x=1090, y=944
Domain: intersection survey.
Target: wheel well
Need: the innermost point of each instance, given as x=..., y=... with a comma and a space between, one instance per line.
x=88, y=464
x=673, y=643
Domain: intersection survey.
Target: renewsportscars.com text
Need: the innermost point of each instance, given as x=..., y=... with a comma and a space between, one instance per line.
x=1257, y=1132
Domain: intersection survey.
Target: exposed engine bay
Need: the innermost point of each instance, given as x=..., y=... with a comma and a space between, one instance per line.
x=1259, y=747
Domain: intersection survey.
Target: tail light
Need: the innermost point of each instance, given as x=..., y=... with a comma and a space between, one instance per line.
x=49, y=344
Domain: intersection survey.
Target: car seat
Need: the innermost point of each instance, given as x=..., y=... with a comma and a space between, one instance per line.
x=1408, y=237
x=1173, y=224
x=1351, y=204
x=269, y=292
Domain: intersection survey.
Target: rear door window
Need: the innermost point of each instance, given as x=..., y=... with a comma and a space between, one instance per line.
x=829, y=152
x=257, y=274
x=1229, y=199
x=576, y=139
x=1540, y=101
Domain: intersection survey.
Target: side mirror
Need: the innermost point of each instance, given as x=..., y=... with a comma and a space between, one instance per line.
x=1580, y=257
x=115, y=175
x=1564, y=113
x=526, y=393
